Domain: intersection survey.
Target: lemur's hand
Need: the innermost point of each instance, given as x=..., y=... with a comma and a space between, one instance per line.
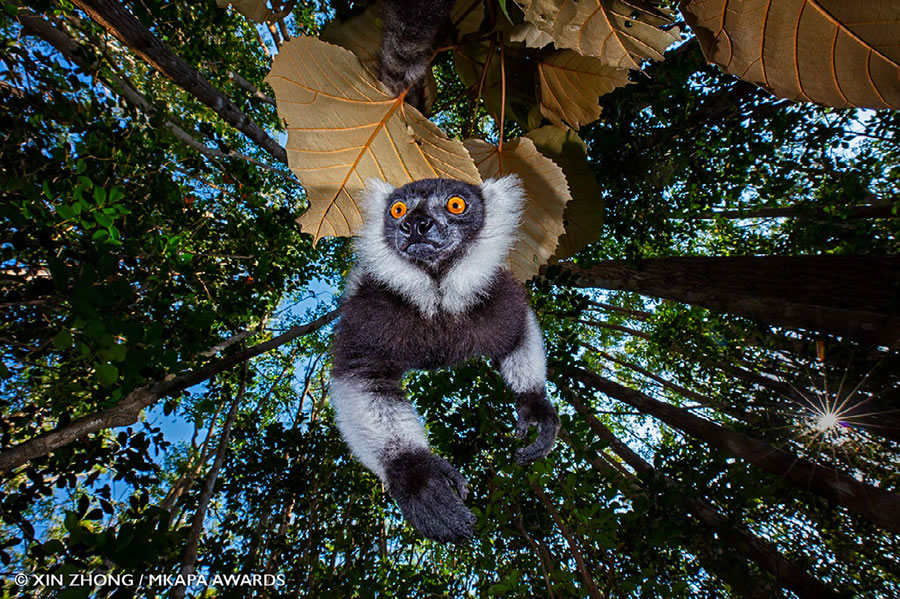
x=430, y=493
x=534, y=409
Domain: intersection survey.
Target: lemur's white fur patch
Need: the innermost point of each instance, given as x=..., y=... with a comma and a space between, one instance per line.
x=370, y=422
x=525, y=368
x=469, y=278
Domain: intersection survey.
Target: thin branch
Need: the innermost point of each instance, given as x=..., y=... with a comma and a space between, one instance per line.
x=75, y=52
x=113, y=17
x=189, y=559
x=570, y=540
x=247, y=86
x=614, y=327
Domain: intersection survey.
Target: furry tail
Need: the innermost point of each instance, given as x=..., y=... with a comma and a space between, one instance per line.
x=412, y=29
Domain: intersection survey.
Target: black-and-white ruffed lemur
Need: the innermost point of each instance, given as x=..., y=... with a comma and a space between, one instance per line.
x=432, y=289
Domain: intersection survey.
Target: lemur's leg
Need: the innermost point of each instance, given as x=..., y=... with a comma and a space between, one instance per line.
x=525, y=371
x=384, y=433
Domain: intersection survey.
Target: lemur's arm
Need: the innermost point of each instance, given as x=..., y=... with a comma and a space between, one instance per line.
x=525, y=371
x=383, y=431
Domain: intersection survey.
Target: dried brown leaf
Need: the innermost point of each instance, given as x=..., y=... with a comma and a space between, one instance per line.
x=583, y=219
x=832, y=52
x=619, y=33
x=547, y=191
x=571, y=85
x=530, y=35
x=344, y=128
x=360, y=34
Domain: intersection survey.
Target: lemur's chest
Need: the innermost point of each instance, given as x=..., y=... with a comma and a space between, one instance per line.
x=389, y=331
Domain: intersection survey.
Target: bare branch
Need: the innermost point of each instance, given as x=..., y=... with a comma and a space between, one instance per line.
x=190, y=552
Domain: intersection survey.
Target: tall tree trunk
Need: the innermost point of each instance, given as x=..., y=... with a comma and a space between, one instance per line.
x=113, y=17
x=880, y=506
x=851, y=296
x=766, y=555
x=875, y=208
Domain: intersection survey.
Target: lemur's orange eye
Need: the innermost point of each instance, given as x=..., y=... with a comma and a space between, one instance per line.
x=456, y=205
x=398, y=209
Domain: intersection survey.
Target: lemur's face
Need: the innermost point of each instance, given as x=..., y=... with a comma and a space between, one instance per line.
x=429, y=222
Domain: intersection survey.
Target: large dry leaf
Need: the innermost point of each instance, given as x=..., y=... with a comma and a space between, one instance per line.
x=255, y=10
x=571, y=85
x=547, y=192
x=360, y=34
x=344, y=128
x=530, y=35
x=584, y=214
x=834, y=52
x=619, y=33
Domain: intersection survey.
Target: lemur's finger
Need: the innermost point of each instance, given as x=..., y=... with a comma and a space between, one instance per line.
x=522, y=426
x=456, y=480
x=547, y=429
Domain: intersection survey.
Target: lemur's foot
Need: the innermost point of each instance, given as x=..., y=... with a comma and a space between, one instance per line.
x=430, y=493
x=534, y=409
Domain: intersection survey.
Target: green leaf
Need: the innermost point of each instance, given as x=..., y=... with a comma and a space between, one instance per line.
x=65, y=212
x=100, y=235
x=59, y=272
x=502, y=4
x=99, y=195
x=53, y=546
x=63, y=340
x=106, y=373
x=102, y=219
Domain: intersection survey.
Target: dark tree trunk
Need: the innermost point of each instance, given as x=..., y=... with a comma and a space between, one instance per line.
x=851, y=296
x=875, y=209
x=878, y=505
x=766, y=555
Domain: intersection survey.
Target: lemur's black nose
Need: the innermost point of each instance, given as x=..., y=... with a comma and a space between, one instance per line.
x=417, y=224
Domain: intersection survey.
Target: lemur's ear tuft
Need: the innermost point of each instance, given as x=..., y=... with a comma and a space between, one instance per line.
x=375, y=200
x=504, y=195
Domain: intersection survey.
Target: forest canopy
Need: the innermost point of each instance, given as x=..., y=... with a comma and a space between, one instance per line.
x=710, y=245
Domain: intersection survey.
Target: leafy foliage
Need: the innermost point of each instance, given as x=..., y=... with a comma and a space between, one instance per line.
x=131, y=255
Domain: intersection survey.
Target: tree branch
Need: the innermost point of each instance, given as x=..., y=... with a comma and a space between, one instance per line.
x=126, y=28
x=128, y=410
x=75, y=53
x=190, y=552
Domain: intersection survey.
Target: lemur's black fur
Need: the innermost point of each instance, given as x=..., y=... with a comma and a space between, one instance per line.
x=411, y=31
x=432, y=290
